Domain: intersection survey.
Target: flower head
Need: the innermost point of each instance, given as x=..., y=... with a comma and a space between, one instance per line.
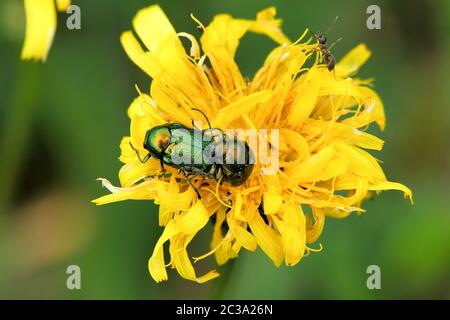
x=41, y=27
x=319, y=116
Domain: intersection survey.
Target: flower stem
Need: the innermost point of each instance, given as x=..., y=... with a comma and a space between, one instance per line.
x=17, y=123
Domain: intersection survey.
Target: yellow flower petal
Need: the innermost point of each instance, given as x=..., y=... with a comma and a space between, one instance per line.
x=311, y=168
x=306, y=97
x=40, y=30
x=268, y=25
x=268, y=239
x=387, y=185
x=195, y=219
x=178, y=232
x=361, y=163
x=40, y=27
x=237, y=208
x=166, y=59
x=143, y=114
x=174, y=200
x=62, y=5
x=127, y=154
x=221, y=39
x=156, y=263
x=345, y=133
x=292, y=229
x=352, y=61
x=234, y=110
x=272, y=202
x=135, y=172
x=314, y=230
x=135, y=52
x=142, y=191
x=154, y=28
x=182, y=263
x=374, y=107
x=245, y=238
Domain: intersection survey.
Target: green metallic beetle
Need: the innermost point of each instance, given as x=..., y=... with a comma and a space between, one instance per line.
x=199, y=153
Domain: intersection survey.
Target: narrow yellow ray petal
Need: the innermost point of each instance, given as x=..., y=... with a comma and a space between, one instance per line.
x=311, y=168
x=267, y=24
x=272, y=202
x=40, y=30
x=293, y=233
x=268, y=239
x=62, y=5
x=154, y=28
x=245, y=238
x=306, y=98
x=393, y=186
x=314, y=231
x=156, y=264
x=182, y=263
x=352, y=61
x=142, y=191
x=136, y=53
x=235, y=109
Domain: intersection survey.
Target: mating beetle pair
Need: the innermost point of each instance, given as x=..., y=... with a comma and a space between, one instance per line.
x=164, y=141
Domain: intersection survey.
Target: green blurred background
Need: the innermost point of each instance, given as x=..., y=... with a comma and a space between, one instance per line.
x=61, y=123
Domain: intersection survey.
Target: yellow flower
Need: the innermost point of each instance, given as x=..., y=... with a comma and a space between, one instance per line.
x=41, y=27
x=323, y=170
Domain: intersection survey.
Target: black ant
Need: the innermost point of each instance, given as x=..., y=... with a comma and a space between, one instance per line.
x=328, y=57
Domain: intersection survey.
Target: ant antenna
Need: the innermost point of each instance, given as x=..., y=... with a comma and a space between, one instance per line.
x=332, y=45
x=207, y=120
x=332, y=25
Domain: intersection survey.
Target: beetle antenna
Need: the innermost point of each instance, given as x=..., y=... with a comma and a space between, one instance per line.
x=207, y=120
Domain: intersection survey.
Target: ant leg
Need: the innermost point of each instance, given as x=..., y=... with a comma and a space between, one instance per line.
x=148, y=156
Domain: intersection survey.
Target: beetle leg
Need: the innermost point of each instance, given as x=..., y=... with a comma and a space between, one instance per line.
x=189, y=180
x=161, y=174
x=148, y=156
x=219, y=175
